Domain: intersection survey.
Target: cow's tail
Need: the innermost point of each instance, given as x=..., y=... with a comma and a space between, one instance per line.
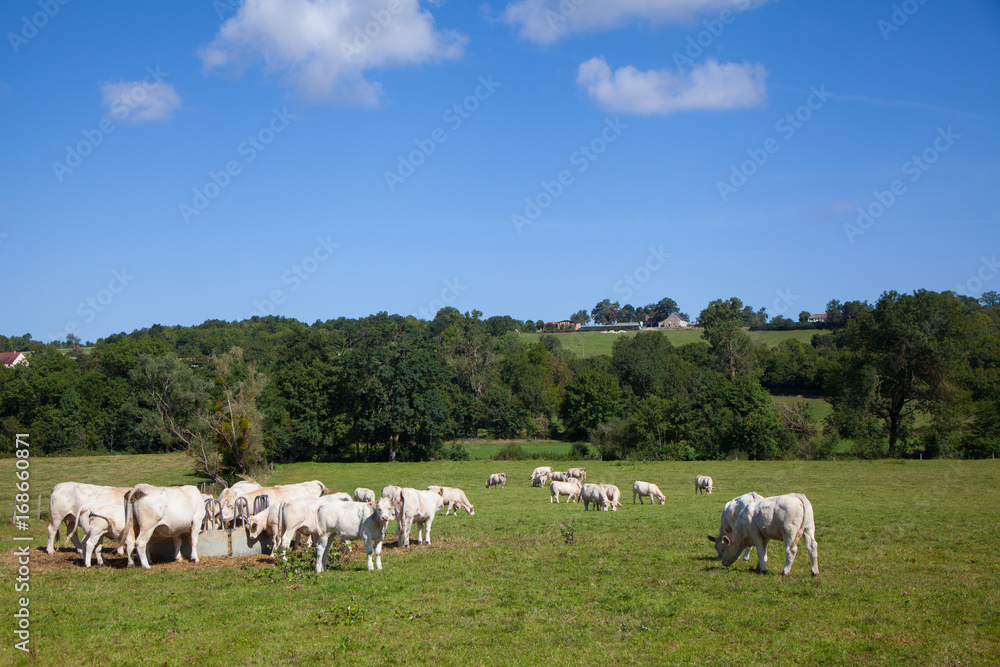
x=76, y=521
x=128, y=531
x=278, y=527
x=807, y=517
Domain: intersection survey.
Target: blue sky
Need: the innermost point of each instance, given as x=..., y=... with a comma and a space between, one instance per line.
x=172, y=162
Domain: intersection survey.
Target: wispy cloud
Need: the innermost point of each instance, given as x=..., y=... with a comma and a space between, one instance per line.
x=140, y=101
x=324, y=48
x=546, y=21
x=910, y=105
x=707, y=86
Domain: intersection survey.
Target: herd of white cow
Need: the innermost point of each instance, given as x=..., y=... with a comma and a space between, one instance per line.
x=308, y=511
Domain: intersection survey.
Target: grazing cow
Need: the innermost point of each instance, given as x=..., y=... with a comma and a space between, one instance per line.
x=346, y=497
x=614, y=495
x=730, y=513
x=353, y=521
x=568, y=489
x=703, y=483
x=230, y=494
x=98, y=521
x=454, y=499
x=579, y=473
x=275, y=495
x=497, y=479
x=66, y=501
x=391, y=492
x=538, y=475
x=787, y=518
x=417, y=507
x=559, y=476
x=157, y=511
x=647, y=490
x=594, y=493
x=363, y=495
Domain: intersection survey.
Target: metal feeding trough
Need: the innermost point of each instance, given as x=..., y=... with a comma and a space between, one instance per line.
x=216, y=540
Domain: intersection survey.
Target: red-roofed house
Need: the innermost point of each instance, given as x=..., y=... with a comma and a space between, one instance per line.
x=9, y=359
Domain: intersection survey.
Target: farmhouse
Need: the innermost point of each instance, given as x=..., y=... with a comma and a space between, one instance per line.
x=566, y=325
x=817, y=317
x=673, y=321
x=9, y=359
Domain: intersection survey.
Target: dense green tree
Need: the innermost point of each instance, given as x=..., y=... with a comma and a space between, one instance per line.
x=590, y=399
x=731, y=345
x=641, y=362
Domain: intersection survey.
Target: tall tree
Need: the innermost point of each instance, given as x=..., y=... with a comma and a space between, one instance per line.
x=580, y=317
x=723, y=322
x=663, y=308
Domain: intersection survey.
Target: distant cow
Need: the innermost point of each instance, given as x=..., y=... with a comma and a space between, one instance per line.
x=497, y=479
x=559, y=476
x=363, y=495
x=647, y=490
x=66, y=501
x=579, y=473
x=417, y=507
x=353, y=521
x=614, y=495
x=158, y=511
x=454, y=499
x=596, y=495
x=539, y=474
x=730, y=513
x=98, y=522
x=391, y=492
x=569, y=489
x=787, y=518
x=703, y=483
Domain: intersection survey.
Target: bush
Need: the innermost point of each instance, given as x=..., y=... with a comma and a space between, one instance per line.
x=512, y=452
x=455, y=452
x=615, y=439
x=818, y=449
x=579, y=450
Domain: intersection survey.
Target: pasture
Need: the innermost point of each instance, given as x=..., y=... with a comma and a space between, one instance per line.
x=906, y=552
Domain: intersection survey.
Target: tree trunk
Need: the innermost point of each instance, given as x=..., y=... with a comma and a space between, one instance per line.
x=393, y=441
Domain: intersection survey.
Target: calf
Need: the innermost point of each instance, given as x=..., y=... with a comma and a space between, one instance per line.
x=614, y=495
x=353, y=521
x=363, y=495
x=648, y=490
x=730, y=513
x=157, y=511
x=497, y=479
x=538, y=475
x=594, y=493
x=703, y=483
x=454, y=499
x=579, y=473
x=788, y=518
x=417, y=507
x=98, y=521
x=298, y=517
x=568, y=489
x=66, y=501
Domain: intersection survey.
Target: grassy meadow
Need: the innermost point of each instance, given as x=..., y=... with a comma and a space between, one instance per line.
x=907, y=575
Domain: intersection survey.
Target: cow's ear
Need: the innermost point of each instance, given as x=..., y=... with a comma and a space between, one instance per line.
x=711, y=538
x=725, y=540
x=372, y=505
x=440, y=491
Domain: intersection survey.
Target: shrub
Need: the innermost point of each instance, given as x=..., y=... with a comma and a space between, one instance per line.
x=579, y=450
x=455, y=452
x=512, y=452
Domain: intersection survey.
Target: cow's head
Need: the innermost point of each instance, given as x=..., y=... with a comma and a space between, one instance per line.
x=720, y=546
x=256, y=526
x=384, y=509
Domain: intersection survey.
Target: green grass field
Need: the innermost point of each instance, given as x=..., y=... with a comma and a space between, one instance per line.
x=907, y=576
x=592, y=343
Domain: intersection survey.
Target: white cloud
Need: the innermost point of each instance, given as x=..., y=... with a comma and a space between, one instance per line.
x=140, y=101
x=707, y=86
x=323, y=48
x=545, y=21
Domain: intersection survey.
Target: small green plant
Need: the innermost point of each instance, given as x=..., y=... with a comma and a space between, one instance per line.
x=352, y=614
x=568, y=532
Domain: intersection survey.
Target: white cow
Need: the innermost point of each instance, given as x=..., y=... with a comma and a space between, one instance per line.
x=158, y=511
x=539, y=474
x=614, y=495
x=363, y=495
x=730, y=513
x=497, y=479
x=454, y=499
x=66, y=501
x=569, y=489
x=98, y=521
x=391, y=492
x=297, y=516
x=647, y=490
x=559, y=476
x=352, y=521
x=703, y=483
x=344, y=497
x=579, y=473
x=594, y=493
x=787, y=518
x=275, y=495
x=417, y=507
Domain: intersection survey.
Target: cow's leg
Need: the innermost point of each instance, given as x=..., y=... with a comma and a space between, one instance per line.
x=89, y=544
x=140, y=544
x=746, y=555
x=71, y=537
x=760, y=543
x=811, y=550
x=791, y=548
x=378, y=557
x=53, y=530
x=129, y=546
x=195, y=530
x=177, y=548
x=427, y=528
x=322, y=547
x=369, y=550
x=97, y=550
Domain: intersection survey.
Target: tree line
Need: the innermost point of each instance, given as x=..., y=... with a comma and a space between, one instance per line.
x=912, y=374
